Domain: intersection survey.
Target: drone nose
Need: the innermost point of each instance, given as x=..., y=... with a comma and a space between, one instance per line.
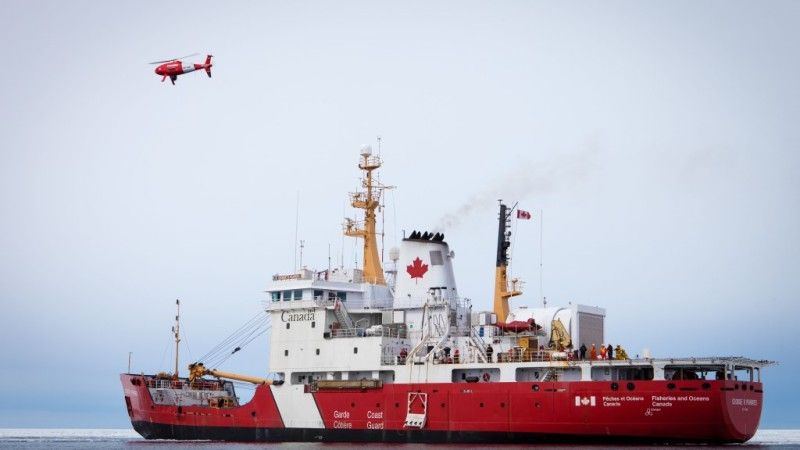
x=158, y=70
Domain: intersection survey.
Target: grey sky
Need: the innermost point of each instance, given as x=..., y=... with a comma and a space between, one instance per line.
x=659, y=138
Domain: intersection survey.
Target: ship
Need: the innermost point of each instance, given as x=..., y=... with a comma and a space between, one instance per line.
x=397, y=355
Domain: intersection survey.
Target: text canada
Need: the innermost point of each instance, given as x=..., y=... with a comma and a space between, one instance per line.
x=301, y=316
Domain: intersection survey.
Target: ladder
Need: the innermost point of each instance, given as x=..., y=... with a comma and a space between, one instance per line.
x=340, y=311
x=551, y=375
x=417, y=410
x=477, y=341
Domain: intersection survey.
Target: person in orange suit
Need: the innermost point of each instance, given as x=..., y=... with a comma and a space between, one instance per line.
x=593, y=353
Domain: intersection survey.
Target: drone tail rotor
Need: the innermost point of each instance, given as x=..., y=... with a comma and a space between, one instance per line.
x=208, y=65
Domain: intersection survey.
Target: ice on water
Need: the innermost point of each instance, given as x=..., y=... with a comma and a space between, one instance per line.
x=65, y=434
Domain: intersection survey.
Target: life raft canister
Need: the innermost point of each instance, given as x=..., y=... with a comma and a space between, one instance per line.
x=486, y=376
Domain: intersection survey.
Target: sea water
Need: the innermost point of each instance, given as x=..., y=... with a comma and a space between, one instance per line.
x=45, y=438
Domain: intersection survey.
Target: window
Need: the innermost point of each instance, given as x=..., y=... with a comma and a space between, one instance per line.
x=287, y=325
x=298, y=294
x=317, y=351
x=286, y=353
x=313, y=324
x=276, y=296
x=436, y=258
x=342, y=296
x=331, y=296
x=287, y=295
x=317, y=294
x=355, y=349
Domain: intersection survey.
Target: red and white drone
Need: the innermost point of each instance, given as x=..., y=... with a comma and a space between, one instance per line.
x=173, y=67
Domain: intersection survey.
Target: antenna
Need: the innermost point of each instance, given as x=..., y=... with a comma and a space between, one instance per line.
x=541, y=251
x=383, y=215
x=296, y=226
x=329, y=260
x=177, y=330
x=129, y=361
x=302, y=242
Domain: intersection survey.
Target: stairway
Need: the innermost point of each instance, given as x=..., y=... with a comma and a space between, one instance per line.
x=340, y=311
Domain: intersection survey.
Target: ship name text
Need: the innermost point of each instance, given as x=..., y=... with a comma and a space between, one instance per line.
x=289, y=316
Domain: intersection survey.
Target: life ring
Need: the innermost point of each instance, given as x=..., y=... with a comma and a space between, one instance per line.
x=486, y=376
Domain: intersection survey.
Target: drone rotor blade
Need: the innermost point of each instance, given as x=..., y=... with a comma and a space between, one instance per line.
x=174, y=59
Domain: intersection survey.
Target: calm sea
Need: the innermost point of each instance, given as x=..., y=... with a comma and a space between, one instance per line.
x=33, y=438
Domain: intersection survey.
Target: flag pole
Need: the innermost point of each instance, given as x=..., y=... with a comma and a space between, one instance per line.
x=541, y=251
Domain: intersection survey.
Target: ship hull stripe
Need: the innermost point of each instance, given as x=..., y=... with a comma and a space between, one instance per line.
x=152, y=430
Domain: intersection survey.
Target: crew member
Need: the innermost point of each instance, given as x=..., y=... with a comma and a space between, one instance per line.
x=593, y=353
x=583, y=351
x=489, y=352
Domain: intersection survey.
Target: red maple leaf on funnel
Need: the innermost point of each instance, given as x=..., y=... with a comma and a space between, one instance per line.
x=416, y=269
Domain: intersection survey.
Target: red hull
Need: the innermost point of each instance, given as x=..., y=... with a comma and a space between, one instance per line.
x=657, y=411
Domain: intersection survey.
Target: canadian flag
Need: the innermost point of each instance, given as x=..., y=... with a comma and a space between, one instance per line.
x=525, y=215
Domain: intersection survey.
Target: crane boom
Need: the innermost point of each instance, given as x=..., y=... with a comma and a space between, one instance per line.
x=197, y=370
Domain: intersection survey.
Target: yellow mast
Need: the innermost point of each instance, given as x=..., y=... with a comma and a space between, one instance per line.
x=501, y=291
x=368, y=200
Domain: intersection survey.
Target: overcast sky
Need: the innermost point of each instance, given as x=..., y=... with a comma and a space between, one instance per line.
x=660, y=140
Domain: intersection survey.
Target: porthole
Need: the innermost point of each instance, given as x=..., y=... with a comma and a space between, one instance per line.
x=535, y=387
x=253, y=413
x=614, y=386
x=502, y=405
x=706, y=386
x=481, y=404
x=670, y=386
x=352, y=405
x=631, y=386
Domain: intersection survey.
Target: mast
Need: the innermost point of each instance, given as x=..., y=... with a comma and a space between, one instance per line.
x=368, y=199
x=501, y=291
x=177, y=330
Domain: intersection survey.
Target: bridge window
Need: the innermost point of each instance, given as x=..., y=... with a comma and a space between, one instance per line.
x=342, y=296
x=276, y=296
x=318, y=294
x=298, y=294
x=287, y=295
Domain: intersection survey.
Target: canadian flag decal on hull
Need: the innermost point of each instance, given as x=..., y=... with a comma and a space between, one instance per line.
x=585, y=401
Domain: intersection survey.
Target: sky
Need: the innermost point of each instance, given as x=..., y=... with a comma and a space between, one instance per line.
x=655, y=143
